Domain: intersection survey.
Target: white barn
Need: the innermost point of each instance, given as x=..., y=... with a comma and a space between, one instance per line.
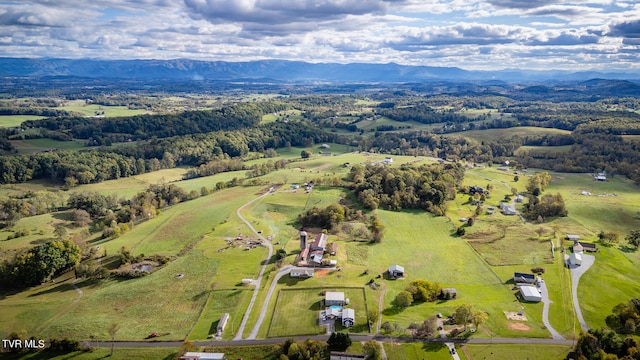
x=530, y=293
x=575, y=259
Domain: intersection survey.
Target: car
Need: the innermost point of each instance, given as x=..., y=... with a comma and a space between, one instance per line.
x=440, y=315
x=453, y=351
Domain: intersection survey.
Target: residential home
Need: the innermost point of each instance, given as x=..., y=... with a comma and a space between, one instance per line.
x=588, y=247
x=202, y=356
x=301, y=272
x=348, y=317
x=524, y=278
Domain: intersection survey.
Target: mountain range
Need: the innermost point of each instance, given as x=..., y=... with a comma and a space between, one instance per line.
x=279, y=71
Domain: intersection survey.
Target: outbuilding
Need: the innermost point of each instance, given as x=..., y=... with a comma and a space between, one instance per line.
x=530, y=293
x=524, y=278
x=334, y=298
x=396, y=271
x=348, y=317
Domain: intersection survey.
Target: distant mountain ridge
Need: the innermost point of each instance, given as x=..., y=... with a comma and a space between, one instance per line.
x=277, y=70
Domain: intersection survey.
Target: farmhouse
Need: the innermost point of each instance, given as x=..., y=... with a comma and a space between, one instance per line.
x=575, y=259
x=202, y=356
x=524, y=278
x=222, y=323
x=577, y=248
x=334, y=298
x=301, y=272
x=530, y=293
x=348, y=317
x=396, y=271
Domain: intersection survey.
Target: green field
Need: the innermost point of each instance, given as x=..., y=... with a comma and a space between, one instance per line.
x=81, y=107
x=517, y=352
x=308, y=304
x=417, y=351
x=495, y=134
x=531, y=150
x=102, y=352
x=37, y=145
x=16, y=120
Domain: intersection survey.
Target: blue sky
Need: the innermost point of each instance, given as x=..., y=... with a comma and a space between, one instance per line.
x=471, y=34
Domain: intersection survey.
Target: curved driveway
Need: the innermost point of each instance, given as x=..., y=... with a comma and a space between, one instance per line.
x=576, y=273
x=256, y=290
x=545, y=311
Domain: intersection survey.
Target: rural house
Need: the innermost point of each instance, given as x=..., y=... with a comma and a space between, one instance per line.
x=575, y=259
x=530, y=293
x=334, y=298
x=348, y=317
x=301, y=272
x=524, y=278
x=345, y=356
x=396, y=271
x=202, y=356
x=588, y=247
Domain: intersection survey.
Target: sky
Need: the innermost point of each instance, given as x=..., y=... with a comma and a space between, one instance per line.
x=471, y=34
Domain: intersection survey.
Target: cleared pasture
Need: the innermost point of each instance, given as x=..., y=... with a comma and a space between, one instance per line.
x=16, y=120
x=30, y=146
x=81, y=107
x=308, y=304
x=495, y=134
x=417, y=351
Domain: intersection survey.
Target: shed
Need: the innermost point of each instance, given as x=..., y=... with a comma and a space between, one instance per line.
x=334, y=298
x=530, y=293
x=396, y=271
x=508, y=208
x=247, y=281
x=575, y=259
x=222, y=323
x=301, y=272
x=202, y=356
x=348, y=317
x=524, y=278
x=572, y=237
x=448, y=293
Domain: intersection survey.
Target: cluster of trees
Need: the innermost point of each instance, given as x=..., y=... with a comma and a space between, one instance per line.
x=424, y=187
x=616, y=342
x=335, y=214
x=466, y=314
x=39, y=264
x=421, y=113
x=625, y=318
x=140, y=127
x=30, y=203
x=418, y=291
x=546, y=206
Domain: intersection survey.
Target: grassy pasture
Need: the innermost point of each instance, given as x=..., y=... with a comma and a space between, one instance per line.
x=16, y=120
x=517, y=351
x=37, y=145
x=308, y=303
x=103, y=352
x=495, y=134
x=79, y=106
x=233, y=302
x=417, y=351
x=542, y=149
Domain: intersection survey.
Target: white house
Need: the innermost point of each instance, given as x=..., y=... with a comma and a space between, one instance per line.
x=348, y=317
x=202, y=356
x=530, y=293
x=301, y=272
x=575, y=259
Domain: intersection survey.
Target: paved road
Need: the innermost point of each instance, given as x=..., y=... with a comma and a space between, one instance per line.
x=527, y=341
x=257, y=282
x=576, y=273
x=545, y=311
x=265, y=306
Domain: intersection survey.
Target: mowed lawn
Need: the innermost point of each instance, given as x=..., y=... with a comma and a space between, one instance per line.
x=307, y=304
x=517, y=351
x=417, y=351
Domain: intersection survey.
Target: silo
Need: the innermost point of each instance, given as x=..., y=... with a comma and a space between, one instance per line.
x=303, y=240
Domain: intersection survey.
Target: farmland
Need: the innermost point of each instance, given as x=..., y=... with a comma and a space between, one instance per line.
x=203, y=255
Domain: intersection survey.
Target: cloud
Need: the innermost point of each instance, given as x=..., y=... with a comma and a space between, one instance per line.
x=626, y=29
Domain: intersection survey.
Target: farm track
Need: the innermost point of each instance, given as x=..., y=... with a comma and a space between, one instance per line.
x=258, y=281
